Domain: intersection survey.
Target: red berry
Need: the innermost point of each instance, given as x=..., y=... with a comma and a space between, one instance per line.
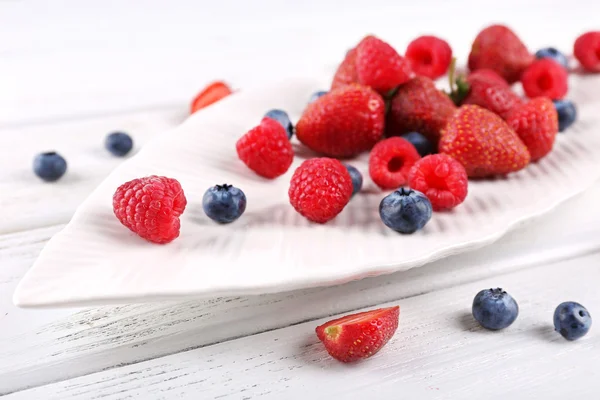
x=266, y=149
x=150, y=207
x=379, y=66
x=429, y=56
x=491, y=92
x=209, y=95
x=545, y=77
x=536, y=123
x=358, y=336
x=320, y=189
x=390, y=160
x=587, y=51
x=346, y=72
x=441, y=178
x=489, y=76
x=344, y=122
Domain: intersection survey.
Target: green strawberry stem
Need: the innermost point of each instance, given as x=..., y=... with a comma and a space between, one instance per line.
x=459, y=87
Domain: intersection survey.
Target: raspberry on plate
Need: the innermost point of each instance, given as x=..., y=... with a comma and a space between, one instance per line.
x=429, y=56
x=545, y=77
x=320, y=189
x=379, y=66
x=442, y=179
x=587, y=51
x=209, y=95
x=536, y=123
x=266, y=149
x=150, y=207
x=390, y=160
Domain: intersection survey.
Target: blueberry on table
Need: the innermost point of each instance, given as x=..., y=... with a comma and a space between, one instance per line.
x=316, y=95
x=421, y=143
x=405, y=210
x=224, y=203
x=553, y=54
x=49, y=166
x=283, y=118
x=357, y=179
x=567, y=113
x=572, y=320
x=495, y=309
x=118, y=143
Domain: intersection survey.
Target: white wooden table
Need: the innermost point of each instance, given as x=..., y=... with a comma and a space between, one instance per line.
x=72, y=71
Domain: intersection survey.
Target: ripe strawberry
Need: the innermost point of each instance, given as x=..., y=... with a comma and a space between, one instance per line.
x=491, y=92
x=379, y=66
x=489, y=76
x=500, y=49
x=483, y=143
x=545, y=77
x=587, y=51
x=343, y=122
x=209, y=95
x=420, y=107
x=346, y=72
x=358, y=336
x=536, y=123
x=429, y=56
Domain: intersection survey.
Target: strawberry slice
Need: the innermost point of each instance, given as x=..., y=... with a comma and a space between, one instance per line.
x=358, y=336
x=209, y=95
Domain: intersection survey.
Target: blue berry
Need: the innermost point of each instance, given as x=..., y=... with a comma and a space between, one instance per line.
x=224, y=203
x=553, y=54
x=118, y=143
x=357, y=179
x=49, y=166
x=495, y=309
x=421, y=143
x=567, y=113
x=405, y=210
x=316, y=95
x=572, y=320
x=282, y=117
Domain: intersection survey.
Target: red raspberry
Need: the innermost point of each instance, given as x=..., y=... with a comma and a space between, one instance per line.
x=442, y=179
x=346, y=71
x=429, y=56
x=320, y=189
x=151, y=207
x=390, y=160
x=587, y=51
x=379, y=66
x=266, y=149
x=545, y=77
x=536, y=123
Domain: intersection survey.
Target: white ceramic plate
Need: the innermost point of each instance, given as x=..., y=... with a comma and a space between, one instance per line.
x=271, y=248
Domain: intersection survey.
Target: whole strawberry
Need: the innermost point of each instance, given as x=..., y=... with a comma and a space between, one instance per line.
x=344, y=122
x=536, y=123
x=359, y=336
x=346, y=72
x=491, y=92
x=150, y=207
x=500, y=49
x=379, y=66
x=320, y=189
x=483, y=143
x=419, y=106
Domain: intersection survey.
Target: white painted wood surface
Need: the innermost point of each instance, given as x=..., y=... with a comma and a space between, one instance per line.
x=71, y=71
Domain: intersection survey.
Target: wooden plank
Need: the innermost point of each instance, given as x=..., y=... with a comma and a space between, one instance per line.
x=439, y=352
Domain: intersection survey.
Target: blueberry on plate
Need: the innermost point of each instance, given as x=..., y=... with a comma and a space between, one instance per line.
x=316, y=95
x=49, y=166
x=118, y=143
x=224, y=203
x=567, y=113
x=572, y=320
x=495, y=309
x=282, y=117
x=553, y=54
x=357, y=179
x=405, y=210
x=421, y=143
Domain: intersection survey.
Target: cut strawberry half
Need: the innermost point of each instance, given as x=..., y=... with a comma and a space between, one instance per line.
x=209, y=95
x=358, y=336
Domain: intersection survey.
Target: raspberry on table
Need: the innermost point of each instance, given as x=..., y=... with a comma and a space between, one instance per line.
x=320, y=189
x=390, y=160
x=266, y=149
x=442, y=179
x=545, y=77
x=587, y=51
x=429, y=56
x=150, y=207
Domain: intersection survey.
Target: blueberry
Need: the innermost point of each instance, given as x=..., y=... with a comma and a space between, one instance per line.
x=224, y=203
x=405, y=210
x=282, y=117
x=357, y=179
x=553, y=54
x=49, y=166
x=567, y=113
x=118, y=143
x=495, y=309
x=572, y=320
x=316, y=95
x=421, y=143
